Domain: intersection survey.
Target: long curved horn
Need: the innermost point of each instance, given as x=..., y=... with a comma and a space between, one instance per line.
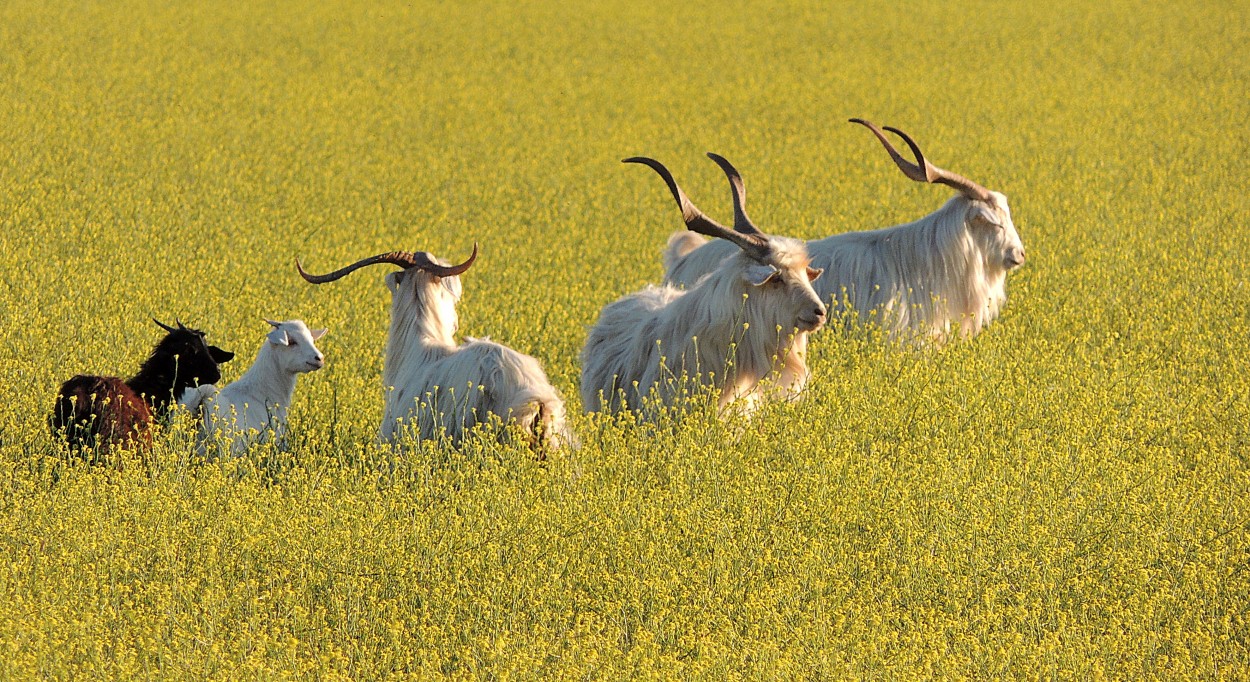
x=164, y=326
x=404, y=259
x=754, y=244
x=422, y=260
x=922, y=170
x=742, y=223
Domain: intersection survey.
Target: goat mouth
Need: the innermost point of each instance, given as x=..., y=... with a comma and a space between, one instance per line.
x=811, y=324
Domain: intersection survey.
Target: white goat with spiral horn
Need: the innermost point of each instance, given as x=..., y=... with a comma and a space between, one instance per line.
x=944, y=272
x=744, y=322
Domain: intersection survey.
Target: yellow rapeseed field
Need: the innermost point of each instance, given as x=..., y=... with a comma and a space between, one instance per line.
x=1066, y=496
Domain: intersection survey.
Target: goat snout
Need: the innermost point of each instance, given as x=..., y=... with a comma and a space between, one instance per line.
x=1015, y=258
x=814, y=319
x=317, y=362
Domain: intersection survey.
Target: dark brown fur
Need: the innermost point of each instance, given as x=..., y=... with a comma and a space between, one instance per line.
x=100, y=412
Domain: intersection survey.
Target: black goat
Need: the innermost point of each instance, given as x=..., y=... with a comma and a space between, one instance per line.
x=100, y=412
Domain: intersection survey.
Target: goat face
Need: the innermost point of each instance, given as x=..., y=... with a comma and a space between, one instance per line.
x=995, y=233
x=782, y=288
x=195, y=361
x=775, y=270
x=296, y=346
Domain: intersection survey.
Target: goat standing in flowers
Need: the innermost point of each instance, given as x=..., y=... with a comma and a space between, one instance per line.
x=745, y=321
x=944, y=272
x=254, y=408
x=98, y=412
x=435, y=387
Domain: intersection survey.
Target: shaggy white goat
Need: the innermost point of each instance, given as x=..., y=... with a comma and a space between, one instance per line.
x=746, y=321
x=253, y=408
x=436, y=387
x=946, y=269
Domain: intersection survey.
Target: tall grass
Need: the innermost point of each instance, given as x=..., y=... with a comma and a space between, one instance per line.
x=1066, y=496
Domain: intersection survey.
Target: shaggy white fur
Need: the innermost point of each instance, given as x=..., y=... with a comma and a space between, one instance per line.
x=254, y=408
x=435, y=387
x=942, y=273
x=738, y=325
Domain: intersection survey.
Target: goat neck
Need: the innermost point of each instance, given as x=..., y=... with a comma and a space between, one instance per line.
x=266, y=380
x=423, y=321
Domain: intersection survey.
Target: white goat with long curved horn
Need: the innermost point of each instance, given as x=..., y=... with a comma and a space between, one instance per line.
x=436, y=387
x=944, y=272
x=746, y=321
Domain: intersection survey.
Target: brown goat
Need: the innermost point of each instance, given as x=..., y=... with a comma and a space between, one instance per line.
x=98, y=412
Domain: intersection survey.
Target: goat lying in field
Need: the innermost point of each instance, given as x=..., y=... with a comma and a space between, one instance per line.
x=745, y=321
x=948, y=269
x=101, y=412
x=435, y=387
x=254, y=407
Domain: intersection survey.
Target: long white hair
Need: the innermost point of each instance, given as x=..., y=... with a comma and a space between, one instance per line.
x=932, y=278
x=738, y=326
x=435, y=388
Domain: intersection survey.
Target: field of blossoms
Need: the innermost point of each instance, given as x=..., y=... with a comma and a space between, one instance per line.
x=1066, y=496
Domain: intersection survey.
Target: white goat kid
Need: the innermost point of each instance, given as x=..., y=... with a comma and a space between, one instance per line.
x=946, y=270
x=254, y=408
x=744, y=322
x=435, y=387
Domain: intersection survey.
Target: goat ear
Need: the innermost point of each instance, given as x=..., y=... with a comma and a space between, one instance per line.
x=980, y=214
x=760, y=274
x=814, y=274
x=278, y=337
x=219, y=356
x=318, y=333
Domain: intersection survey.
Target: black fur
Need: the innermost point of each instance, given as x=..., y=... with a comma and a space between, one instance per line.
x=99, y=411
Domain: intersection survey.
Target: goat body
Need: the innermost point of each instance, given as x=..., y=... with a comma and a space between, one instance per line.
x=254, y=407
x=665, y=343
x=437, y=388
x=442, y=388
x=943, y=273
x=101, y=412
x=742, y=323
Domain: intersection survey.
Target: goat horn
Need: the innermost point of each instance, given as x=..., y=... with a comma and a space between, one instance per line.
x=742, y=223
x=404, y=259
x=922, y=170
x=424, y=262
x=753, y=244
x=164, y=326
